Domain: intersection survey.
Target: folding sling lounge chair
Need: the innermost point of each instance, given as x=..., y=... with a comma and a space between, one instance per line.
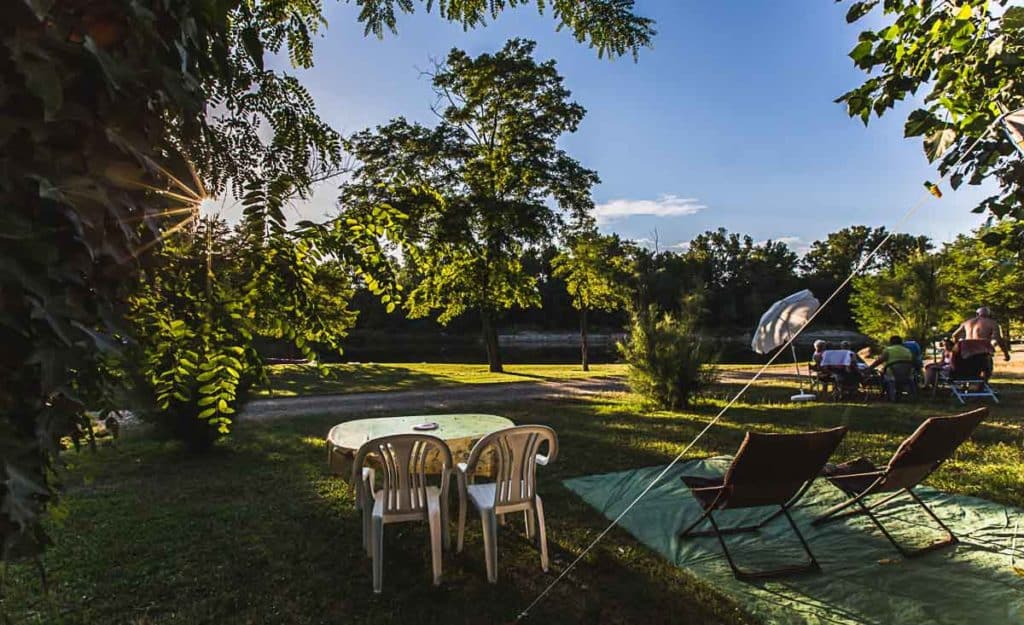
x=969, y=371
x=768, y=470
x=918, y=456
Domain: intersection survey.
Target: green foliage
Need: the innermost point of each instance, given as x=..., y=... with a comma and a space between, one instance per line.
x=966, y=57
x=669, y=362
x=910, y=300
x=595, y=269
x=195, y=317
x=741, y=278
x=985, y=269
x=476, y=187
x=610, y=26
x=596, y=272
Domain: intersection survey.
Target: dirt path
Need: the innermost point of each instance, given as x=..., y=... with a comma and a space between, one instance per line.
x=426, y=399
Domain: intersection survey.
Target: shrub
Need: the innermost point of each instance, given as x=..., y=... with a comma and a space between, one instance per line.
x=669, y=362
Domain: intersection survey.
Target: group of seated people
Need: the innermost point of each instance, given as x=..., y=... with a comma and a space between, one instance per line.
x=975, y=337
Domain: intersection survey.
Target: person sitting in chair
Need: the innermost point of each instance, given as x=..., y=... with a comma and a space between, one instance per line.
x=819, y=348
x=894, y=353
x=932, y=369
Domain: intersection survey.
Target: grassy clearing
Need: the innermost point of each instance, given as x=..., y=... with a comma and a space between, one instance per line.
x=292, y=380
x=258, y=531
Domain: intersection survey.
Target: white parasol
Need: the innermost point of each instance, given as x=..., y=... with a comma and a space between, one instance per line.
x=780, y=323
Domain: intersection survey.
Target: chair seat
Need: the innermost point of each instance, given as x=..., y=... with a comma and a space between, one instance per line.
x=847, y=476
x=482, y=495
x=704, y=497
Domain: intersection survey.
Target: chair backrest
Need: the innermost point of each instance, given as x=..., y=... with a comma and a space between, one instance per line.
x=515, y=452
x=902, y=371
x=971, y=358
x=404, y=460
x=772, y=468
x=929, y=446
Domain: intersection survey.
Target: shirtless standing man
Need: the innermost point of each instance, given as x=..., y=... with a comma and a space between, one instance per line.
x=983, y=327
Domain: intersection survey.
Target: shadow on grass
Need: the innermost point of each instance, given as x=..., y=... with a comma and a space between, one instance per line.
x=259, y=531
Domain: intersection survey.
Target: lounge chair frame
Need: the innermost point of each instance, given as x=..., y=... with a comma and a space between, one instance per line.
x=901, y=476
x=729, y=494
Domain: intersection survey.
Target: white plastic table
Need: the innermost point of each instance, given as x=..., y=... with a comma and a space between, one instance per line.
x=459, y=431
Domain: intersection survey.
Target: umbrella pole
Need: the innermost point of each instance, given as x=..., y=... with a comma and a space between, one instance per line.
x=801, y=396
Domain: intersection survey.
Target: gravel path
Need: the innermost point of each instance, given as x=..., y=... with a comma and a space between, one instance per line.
x=426, y=399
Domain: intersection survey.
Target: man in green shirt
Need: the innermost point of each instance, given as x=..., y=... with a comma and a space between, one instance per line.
x=894, y=352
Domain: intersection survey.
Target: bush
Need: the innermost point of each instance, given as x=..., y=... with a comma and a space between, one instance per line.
x=669, y=362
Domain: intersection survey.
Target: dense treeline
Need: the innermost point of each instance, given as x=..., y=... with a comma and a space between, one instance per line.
x=737, y=277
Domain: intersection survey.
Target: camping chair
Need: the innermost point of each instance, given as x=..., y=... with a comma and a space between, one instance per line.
x=405, y=495
x=969, y=371
x=899, y=378
x=514, y=488
x=918, y=456
x=768, y=470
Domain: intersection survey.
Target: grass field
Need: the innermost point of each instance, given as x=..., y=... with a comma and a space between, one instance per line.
x=258, y=532
x=292, y=380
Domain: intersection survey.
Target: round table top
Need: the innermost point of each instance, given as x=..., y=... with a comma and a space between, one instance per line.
x=451, y=427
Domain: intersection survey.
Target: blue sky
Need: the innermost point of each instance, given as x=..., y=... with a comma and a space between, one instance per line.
x=728, y=121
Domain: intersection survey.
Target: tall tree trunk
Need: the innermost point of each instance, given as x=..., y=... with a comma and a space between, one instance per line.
x=490, y=335
x=583, y=339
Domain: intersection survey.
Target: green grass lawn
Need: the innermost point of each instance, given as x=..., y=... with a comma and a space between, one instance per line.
x=258, y=532
x=292, y=380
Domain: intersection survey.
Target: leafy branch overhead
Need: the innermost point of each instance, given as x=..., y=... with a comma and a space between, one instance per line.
x=612, y=27
x=966, y=58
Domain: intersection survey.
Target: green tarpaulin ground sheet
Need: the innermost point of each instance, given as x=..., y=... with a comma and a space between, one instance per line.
x=863, y=578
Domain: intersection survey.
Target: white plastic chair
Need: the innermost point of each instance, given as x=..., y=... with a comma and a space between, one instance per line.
x=405, y=495
x=514, y=488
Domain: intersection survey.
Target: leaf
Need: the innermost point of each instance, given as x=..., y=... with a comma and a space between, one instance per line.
x=965, y=12
x=861, y=51
x=938, y=143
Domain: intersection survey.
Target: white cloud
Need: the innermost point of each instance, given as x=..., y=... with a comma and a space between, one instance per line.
x=668, y=205
x=796, y=244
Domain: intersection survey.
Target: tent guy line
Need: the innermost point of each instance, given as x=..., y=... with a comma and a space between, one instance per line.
x=864, y=263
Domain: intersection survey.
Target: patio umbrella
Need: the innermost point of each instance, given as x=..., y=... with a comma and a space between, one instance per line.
x=780, y=323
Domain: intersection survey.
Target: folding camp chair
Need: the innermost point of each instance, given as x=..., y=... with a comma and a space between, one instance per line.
x=768, y=470
x=970, y=369
x=918, y=456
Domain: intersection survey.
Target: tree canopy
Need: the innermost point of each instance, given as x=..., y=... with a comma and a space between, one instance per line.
x=596, y=271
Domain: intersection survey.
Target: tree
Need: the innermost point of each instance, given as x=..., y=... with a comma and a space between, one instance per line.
x=595, y=271
x=476, y=188
x=741, y=278
x=669, y=361
x=984, y=269
x=105, y=104
x=910, y=300
x=830, y=261
x=967, y=58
